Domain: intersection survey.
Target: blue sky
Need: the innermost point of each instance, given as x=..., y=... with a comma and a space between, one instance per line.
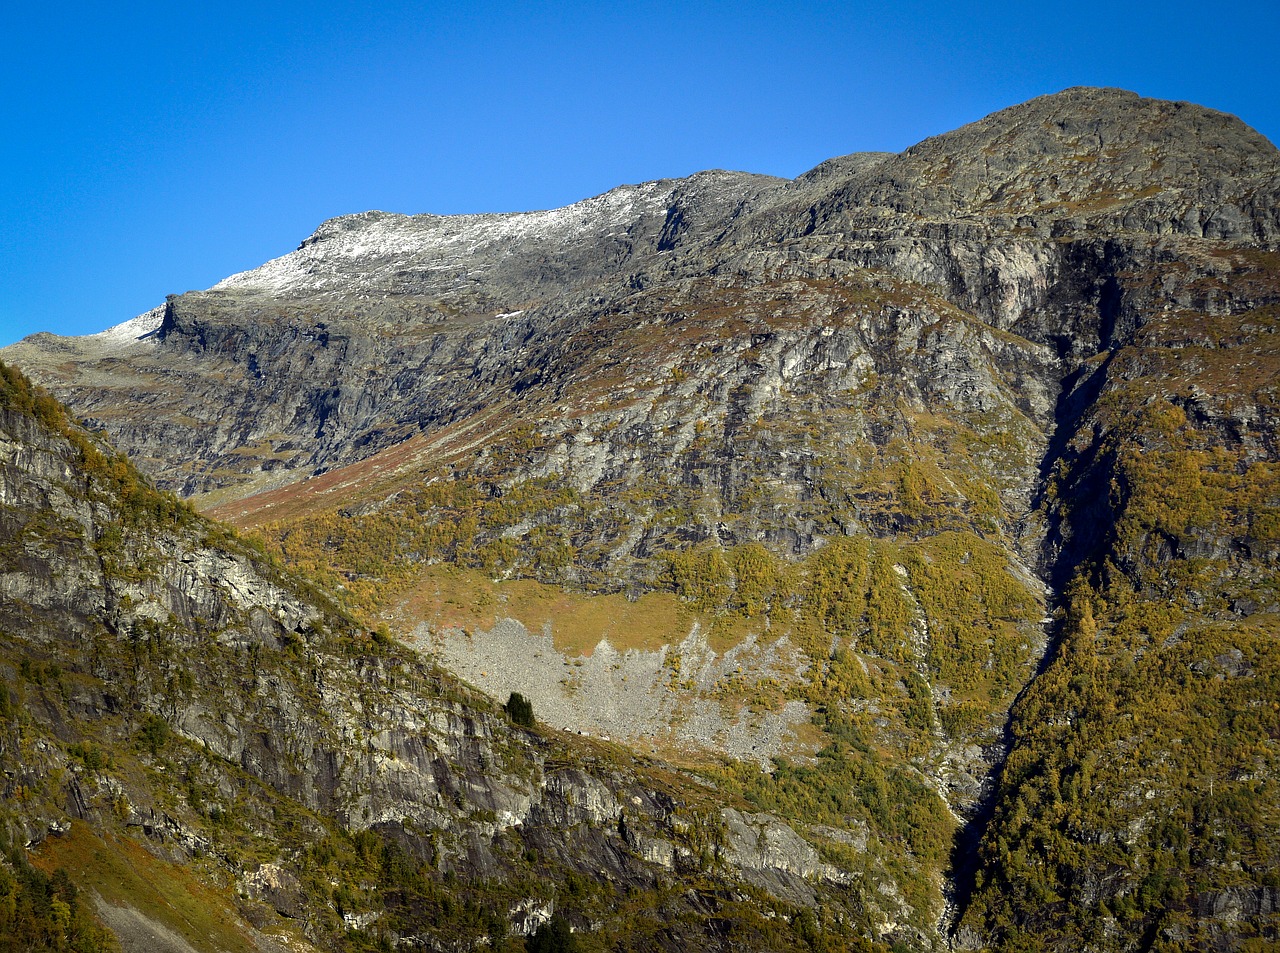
x=152, y=149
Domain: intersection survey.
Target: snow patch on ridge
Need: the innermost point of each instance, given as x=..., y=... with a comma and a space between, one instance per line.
x=380, y=244
x=141, y=328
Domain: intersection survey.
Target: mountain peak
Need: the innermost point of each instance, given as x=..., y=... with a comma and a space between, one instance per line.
x=1141, y=163
x=1110, y=122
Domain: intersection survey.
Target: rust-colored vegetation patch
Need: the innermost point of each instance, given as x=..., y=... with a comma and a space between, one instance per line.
x=316, y=493
x=375, y=477
x=449, y=597
x=1235, y=354
x=125, y=874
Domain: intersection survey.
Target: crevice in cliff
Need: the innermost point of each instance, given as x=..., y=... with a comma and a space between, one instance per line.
x=1077, y=514
x=1072, y=489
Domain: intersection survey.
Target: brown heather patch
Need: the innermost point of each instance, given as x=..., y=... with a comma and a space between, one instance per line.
x=318, y=493
x=1208, y=268
x=1236, y=354
x=1253, y=268
x=376, y=477
x=1253, y=328
x=450, y=597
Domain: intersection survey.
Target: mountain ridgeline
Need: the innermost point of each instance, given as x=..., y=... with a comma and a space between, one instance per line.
x=889, y=557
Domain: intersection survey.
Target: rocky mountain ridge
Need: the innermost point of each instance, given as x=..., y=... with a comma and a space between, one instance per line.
x=453, y=303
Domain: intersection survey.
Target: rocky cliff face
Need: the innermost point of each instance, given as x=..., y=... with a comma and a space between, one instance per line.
x=984, y=422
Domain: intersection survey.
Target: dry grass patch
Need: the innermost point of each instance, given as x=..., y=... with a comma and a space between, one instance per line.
x=449, y=597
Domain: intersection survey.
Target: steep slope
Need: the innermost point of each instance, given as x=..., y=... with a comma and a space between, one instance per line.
x=209, y=752
x=1140, y=798
x=816, y=460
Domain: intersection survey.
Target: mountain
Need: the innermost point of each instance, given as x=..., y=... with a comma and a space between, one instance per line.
x=927, y=501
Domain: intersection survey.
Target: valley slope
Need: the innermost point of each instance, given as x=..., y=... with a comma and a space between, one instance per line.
x=204, y=752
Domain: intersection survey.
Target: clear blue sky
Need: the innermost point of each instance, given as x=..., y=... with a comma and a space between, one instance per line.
x=155, y=148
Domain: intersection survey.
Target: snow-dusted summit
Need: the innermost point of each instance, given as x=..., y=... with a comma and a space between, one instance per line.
x=394, y=253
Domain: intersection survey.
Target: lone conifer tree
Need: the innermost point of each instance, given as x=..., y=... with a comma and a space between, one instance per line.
x=519, y=709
